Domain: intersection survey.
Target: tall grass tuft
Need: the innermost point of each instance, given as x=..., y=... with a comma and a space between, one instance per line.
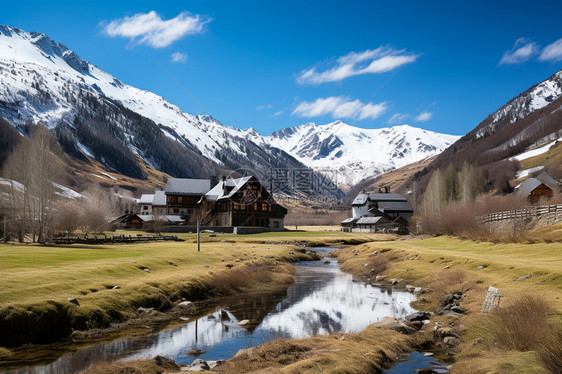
x=549, y=351
x=522, y=324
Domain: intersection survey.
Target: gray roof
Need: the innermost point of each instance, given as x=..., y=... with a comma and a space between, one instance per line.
x=349, y=221
x=548, y=181
x=146, y=199
x=395, y=206
x=159, y=198
x=168, y=218
x=362, y=198
x=218, y=192
x=185, y=186
x=368, y=220
x=527, y=187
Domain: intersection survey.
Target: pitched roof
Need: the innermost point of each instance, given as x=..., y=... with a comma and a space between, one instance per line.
x=369, y=220
x=362, y=198
x=186, y=186
x=527, y=187
x=548, y=181
x=159, y=198
x=349, y=221
x=217, y=192
x=168, y=218
x=146, y=199
x=395, y=206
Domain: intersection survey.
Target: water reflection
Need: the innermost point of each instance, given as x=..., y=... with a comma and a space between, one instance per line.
x=322, y=300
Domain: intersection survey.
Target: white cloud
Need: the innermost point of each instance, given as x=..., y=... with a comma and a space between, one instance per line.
x=423, y=117
x=260, y=107
x=150, y=29
x=278, y=113
x=552, y=51
x=179, y=57
x=522, y=50
x=339, y=107
x=371, y=61
x=398, y=118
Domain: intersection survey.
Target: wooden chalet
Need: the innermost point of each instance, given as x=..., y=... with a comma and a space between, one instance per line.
x=241, y=202
x=183, y=195
x=541, y=187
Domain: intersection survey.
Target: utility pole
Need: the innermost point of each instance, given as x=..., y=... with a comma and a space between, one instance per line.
x=5, y=235
x=198, y=241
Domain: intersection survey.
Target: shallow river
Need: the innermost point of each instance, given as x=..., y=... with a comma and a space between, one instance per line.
x=322, y=300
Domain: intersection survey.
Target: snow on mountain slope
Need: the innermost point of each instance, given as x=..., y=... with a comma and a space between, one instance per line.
x=359, y=153
x=44, y=81
x=534, y=98
x=31, y=60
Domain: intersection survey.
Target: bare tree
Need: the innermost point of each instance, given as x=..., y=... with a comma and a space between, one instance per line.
x=68, y=216
x=45, y=170
x=434, y=196
x=97, y=208
x=31, y=170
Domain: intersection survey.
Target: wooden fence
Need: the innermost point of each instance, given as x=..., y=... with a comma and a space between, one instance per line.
x=101, y=239
x=550, y=212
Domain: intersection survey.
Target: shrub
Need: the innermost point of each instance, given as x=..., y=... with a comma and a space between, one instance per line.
x=549, y=351
x=522, y=324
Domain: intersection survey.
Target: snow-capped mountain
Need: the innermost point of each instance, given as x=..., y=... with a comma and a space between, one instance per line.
x=96, y=116
x=533, y=99
x=358, y=153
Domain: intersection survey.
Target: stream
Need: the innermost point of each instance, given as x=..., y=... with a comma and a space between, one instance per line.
x=323, y=300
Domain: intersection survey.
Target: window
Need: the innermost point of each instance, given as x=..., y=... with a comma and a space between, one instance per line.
x=176, y=211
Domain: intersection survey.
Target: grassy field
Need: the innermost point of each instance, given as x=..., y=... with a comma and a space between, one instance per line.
x=37, y=278
x=444, y=264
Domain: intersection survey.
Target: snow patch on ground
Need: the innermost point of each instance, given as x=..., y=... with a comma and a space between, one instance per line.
x=534, y=152
x=526, y=172
x=110, y=176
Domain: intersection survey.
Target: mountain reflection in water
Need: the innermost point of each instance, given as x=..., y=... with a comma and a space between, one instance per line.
x=323, y=300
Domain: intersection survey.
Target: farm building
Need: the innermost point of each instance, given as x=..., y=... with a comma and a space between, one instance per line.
x=230, y=202
x=153, y=204
x=541, y=187
x=242, y=202
x=381, y=211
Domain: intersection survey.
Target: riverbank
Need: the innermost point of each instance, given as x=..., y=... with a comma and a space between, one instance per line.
x=48, y=292
x=438, y=266
x=451, y=276
x=517, y=337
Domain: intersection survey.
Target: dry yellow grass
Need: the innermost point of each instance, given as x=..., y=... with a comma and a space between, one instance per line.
x=364, y=352
x=446, y=264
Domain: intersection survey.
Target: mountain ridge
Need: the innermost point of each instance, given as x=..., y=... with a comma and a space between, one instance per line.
x=44, y=81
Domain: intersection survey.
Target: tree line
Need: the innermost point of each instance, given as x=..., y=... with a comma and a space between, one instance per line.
x=32, y=205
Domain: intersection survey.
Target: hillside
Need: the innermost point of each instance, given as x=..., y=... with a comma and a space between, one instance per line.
x=529, y=121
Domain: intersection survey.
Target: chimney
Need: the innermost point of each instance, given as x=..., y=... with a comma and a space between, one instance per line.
x=386, y=189
x=224, y=185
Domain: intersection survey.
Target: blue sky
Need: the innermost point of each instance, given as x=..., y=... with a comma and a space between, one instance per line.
x=440, y=65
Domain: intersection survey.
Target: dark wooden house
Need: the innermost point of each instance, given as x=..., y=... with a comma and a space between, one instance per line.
x=183, y=195
x=535, y=189
x=241, y=202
